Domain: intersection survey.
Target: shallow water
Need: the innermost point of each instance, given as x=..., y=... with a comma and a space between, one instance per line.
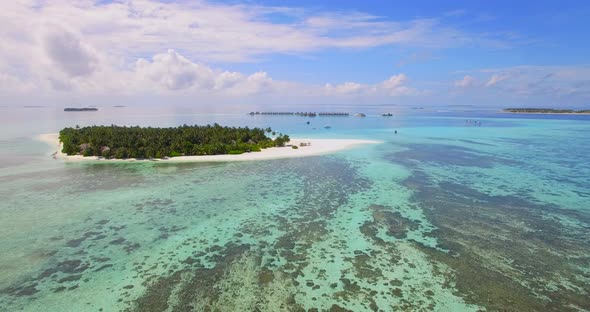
x=443, y=216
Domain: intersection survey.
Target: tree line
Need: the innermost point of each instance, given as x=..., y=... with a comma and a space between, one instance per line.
x=147, y=142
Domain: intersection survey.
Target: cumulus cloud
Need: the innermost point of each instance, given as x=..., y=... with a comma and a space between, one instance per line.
x=393, y=86
x=467, y=81
x=67, y=51
x=66, y=62
x=173, y=71
x=211, y=32
x=88, y=47
x=495, y=79
x=227, y=80
x=93, y=47
x=394, y=82
x=344, y=88
x=260, y=82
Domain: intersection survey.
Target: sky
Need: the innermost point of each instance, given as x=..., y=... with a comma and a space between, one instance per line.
x=427, y=53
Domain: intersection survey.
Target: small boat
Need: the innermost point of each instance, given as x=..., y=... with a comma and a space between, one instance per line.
x=327, y=127
x=360, y=115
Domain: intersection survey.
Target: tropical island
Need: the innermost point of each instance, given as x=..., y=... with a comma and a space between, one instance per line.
x=117, y=142
x=545, y=111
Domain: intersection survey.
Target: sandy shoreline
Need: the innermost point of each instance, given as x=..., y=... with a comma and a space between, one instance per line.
x=317, y=147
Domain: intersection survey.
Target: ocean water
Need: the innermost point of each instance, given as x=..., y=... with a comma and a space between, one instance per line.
x=442, y=216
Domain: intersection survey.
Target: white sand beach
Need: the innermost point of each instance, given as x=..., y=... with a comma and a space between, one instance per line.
x=316, y=147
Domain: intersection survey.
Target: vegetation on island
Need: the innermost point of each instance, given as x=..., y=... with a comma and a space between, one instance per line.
x=138, y=142
x=546, y=111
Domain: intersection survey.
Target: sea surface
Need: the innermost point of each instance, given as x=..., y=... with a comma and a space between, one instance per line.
x=445, y=215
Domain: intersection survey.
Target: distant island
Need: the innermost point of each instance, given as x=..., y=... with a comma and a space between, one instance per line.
x=80, y=109
x=116, y=142
x=545, y=111
x=304, y=114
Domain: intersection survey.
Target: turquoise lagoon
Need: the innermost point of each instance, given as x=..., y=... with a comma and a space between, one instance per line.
x=442, y=216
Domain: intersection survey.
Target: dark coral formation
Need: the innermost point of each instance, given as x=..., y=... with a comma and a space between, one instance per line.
x=498, y=252
x=505, y=252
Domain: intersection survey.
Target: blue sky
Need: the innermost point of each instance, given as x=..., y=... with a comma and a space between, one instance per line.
x=489, y=53
x=535, y=33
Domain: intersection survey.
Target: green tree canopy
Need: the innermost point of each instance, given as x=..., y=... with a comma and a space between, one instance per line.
x=139, y=142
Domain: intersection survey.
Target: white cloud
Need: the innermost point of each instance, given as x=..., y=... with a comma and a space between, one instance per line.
x=259, y=82
x=87, y=47
x=67, y=52
x=61, y=60
x=141, y=47
x=394, y=82
x=214, y=32
x=344, y=88
x=467, y=81
x=542, y=82
x=495, y=79
x=393, y=86
x=174, y=72
x=227, y=80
